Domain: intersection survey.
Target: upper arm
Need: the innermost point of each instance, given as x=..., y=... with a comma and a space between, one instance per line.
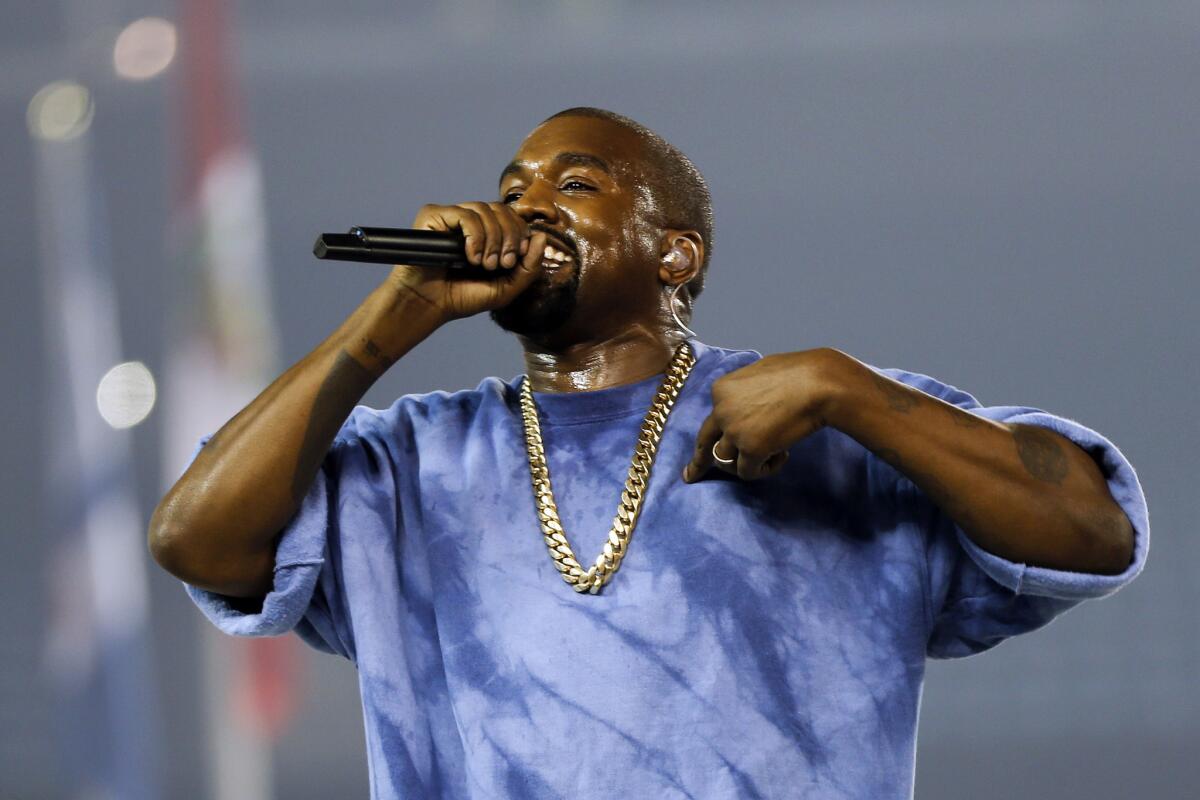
x=978, y=598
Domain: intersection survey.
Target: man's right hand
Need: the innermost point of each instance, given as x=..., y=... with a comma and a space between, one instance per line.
x=496, y=239
x=218, y=526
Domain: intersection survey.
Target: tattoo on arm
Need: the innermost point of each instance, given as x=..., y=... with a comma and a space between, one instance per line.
x=963, y=418
x=377, y=361
x=898, y=398
x=1042, y=456
x=345, y=385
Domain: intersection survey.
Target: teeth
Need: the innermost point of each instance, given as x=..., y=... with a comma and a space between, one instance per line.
x=554, y=254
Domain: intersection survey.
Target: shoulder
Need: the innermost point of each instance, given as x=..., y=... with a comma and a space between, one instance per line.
x=719, y=360
x=421, y=410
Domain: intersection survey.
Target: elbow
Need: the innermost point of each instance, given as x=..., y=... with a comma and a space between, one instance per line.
x=1124, y=541
x=174, y=541
x=1112, y=540
x=162, y=542
x=187, y=552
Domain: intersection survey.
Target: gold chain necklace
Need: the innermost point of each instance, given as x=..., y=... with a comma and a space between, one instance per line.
x=592, y=579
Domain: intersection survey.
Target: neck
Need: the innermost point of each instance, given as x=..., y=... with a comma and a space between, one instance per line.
x=628, y=357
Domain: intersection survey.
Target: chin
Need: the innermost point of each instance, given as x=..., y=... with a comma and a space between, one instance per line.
x=541, y=309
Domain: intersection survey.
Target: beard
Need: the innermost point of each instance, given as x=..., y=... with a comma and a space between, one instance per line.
x=542, y=308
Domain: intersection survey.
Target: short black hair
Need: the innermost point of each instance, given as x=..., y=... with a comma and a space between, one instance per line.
x=681, y=191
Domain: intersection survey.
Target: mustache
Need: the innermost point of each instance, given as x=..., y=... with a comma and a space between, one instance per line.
x=559, y=239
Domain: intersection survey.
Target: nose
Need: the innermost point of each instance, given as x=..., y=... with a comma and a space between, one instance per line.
x=536, y=203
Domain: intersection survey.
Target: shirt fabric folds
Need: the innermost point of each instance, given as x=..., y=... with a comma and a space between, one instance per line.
x=761, y=639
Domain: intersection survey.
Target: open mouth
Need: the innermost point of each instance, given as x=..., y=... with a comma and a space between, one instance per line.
x=552, y=257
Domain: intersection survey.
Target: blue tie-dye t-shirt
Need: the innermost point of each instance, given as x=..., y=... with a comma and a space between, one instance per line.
x=761, y=639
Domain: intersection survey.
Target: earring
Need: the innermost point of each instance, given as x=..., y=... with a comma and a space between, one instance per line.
x=674, y=296
x=673, y=261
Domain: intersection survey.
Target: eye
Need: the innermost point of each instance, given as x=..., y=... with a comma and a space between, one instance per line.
x=576, y=182
x=511, y=197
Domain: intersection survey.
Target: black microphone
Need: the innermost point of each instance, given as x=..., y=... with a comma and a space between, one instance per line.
x=399, y=246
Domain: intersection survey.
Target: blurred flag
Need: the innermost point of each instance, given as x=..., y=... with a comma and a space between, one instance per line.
x=97, y=653
x=223, y=353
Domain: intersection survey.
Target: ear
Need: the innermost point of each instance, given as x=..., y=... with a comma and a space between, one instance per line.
x=681, y=256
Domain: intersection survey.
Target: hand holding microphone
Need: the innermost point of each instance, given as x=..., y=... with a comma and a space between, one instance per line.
x=502, y=256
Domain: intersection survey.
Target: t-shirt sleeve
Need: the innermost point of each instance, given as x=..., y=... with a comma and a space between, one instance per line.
x=977, y=599
x=309, y=594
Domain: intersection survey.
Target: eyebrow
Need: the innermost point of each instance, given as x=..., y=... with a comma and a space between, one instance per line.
x=562, y=160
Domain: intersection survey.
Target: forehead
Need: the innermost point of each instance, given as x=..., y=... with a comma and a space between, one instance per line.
x=615, y=144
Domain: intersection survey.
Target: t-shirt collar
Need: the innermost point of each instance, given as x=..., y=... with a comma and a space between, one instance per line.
x=559, y=408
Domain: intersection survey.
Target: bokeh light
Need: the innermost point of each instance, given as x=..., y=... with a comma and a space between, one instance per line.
x=144, y=48
x=126, y=394
x=60, y=111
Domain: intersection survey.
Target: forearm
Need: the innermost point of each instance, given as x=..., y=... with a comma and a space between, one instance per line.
x=217, y=526
x=1022, y=492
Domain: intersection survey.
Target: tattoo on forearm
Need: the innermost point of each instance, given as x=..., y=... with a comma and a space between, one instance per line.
x=377, y=361
x=898, y=398
x=345, y=384
x=1042, y=456
x=963, y=418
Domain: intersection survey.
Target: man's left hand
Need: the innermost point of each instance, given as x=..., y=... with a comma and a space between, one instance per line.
x=762, y=409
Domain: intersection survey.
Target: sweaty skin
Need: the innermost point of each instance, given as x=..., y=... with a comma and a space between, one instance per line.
x=579, y=177
x=602, y=319
x=218, y=526
x=1020, y=491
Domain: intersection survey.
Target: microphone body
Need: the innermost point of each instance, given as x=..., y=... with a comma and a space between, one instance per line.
x=393, y=246
x=419, y=248
x=409, y=246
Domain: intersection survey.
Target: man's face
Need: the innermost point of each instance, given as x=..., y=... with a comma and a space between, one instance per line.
x=579, y=180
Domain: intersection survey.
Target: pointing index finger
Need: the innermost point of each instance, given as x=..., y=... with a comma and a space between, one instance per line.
x=702, y=458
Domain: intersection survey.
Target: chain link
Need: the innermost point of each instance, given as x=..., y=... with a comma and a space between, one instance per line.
x=595, y=577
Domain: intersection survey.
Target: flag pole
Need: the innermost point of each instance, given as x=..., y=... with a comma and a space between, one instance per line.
x=223, y=352
x=97, y=651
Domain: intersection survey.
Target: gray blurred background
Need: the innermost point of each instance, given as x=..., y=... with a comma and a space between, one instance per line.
x=1004, y=195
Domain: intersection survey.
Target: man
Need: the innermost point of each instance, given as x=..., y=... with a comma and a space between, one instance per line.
x=655, y=568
